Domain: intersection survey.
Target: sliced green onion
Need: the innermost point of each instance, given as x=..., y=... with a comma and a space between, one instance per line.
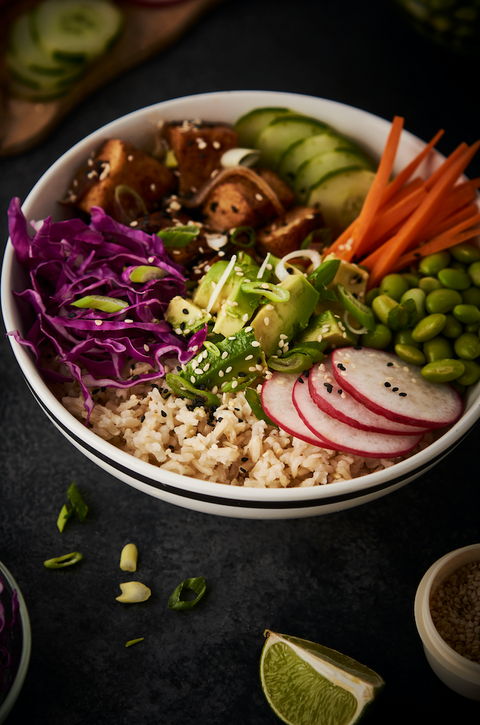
x=211, y=347
x=197, y=585
x=349, y=326
x=170, y=159
x=77, y=501
x=272, y=292
x=100, y=302
x=254, y=401
x=185, y=389
x=133, y=592
x=128, y=558
x=145, y=273
x=311, y=254
x=178, y=236
x=295, y=363
x=134, y=641
x=63, y=516
x=60, y=562
x=239, y=157
x=357, y=309
x=324, y=274
x=239, y=232
x=129, y=211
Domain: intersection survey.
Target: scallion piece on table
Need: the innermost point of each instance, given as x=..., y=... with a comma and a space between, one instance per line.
x=196, y=584
x=77, y=501
x=134, y=641
x=63, y=516
x=59, y=562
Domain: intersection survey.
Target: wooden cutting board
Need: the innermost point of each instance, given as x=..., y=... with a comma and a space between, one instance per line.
x=147, y=31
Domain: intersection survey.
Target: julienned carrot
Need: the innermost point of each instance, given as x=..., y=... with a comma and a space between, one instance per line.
x=373, y=199
x=450, y=221
x=396, y=246
x=340, y=246
x=464, y=231
x=461, y=196
x=445, y=165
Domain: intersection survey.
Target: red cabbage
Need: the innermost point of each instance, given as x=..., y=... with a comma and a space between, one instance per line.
x=70, y=259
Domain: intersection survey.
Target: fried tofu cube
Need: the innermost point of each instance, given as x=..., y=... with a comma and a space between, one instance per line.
x=283, y=236
x=119, y=163
x=281, y=189
x=198, y=149
x=186, y=255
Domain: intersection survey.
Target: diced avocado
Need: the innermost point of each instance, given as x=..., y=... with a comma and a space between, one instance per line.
x=328, y=329
x=353, y=277
x=227, y=364
x=185, y=317
x=239, y=306
x=207, y=287
x=284, y=320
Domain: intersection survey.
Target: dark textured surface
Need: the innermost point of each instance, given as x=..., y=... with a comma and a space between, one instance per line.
x=347, y=580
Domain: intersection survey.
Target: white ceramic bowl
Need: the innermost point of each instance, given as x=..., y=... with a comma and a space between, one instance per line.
x=19, y=644
x=368, y=130
x=459, y=673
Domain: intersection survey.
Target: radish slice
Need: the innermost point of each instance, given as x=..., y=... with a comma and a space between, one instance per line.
x=342, y=437
x=278, y=405
x=392, y=388
x=335, y=401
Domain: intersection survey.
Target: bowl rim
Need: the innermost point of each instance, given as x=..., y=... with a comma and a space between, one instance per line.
x=153, y=475
x=21, y=673
x=430, y=636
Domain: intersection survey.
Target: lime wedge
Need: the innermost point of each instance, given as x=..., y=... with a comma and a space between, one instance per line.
x=308, y=684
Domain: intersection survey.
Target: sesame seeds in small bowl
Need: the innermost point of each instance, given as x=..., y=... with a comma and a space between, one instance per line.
x=447, y=615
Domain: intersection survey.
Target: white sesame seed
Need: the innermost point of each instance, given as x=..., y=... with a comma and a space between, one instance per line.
x=255, y=343
x=224, y=355
x=229, y=369
x=99, y=322
x=221, y=373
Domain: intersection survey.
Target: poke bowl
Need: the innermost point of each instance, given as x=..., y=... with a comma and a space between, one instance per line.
x=216, y=489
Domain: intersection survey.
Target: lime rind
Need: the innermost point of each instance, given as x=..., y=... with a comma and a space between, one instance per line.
x=306, y=683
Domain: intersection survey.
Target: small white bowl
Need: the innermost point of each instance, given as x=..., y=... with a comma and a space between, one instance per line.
x=457, y=672
x=19, y=645
x=139, y=127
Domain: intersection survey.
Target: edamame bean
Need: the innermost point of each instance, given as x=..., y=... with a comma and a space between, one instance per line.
x=429, y=327
x=433, y=263
x=472, y=328
x=453, y=328
x=378, y=338
x=428, y=284
x=438, y=348
x=467, y=346
x=443, y=371
x=471, y=296
x=468, y=314
x=474, y=273
x=458, y=265
x=393, y=285
x=410, y=354
x=455, y=279
x=370, y=295
x=471, y=373
x=382, y=306
x=419, y=297
x=442, y=300
x=412, y=278
x=466, y=253
x=404, y=337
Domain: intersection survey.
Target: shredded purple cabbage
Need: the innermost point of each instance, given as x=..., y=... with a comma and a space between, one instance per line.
x=70, y=259
x=5, y=657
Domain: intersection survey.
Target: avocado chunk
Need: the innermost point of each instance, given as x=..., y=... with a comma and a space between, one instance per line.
x=327, y=329
x=228, y=364
x=207, y=286
x=275, y=325
x=185, y=317
x=237, y=309
x=352, y=277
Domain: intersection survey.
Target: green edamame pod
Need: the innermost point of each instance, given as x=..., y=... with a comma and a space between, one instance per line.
x=428, y=284
x=419, y=297
x=466, y=253
x=412, y=278
x=438, y=348
x=379, y=338
x=382, y=305
x=474, y=273
x=431, y=265
x=456, y=279
x=428, y=327
x=410, y=354
x=404, y=337
x=442, y=300
x=467, y=346
x=443, y=371
x=370, y=295
x=471, y=296
x=471, y=374
x=393, y=285
x=453, y=327
x=468, y=314
x=474, y=327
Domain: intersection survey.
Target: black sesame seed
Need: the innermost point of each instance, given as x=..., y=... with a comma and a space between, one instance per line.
x=394, y=390
x=388, y=385
x=242, y=375
x=244, y=459
x=234, y=209
x=259, y=360
x=403, y=395
x=341, y=367
x=182, y=326
x=135, y=377
x=357, y=347
x=185, y=311
x=94, y=392
x=219, y=420
x=242, y=469
x=300, y=380
x=389, y=364
x=339, y=391
x=179, y=368
x=142, y=419
x=163, y=414
x=154, y=385
x=71, y=315
x=329, y=387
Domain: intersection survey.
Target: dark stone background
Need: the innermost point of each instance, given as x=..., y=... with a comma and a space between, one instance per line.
x=347, y=580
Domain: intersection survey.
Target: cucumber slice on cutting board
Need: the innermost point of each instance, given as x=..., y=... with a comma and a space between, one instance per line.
x=29, y=54
x=282, y=132
x=340, y=196
x=78, y=30
x=313, y=171
x=251, y=124
x=307, y=148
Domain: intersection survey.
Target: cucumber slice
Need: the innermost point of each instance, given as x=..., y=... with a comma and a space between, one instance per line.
x=282, y=132
x=76, y=30
x=306, y=148
x=251, y=124
x=312, y=172
x=340, y=196
x=28, y=83
x=29, y=55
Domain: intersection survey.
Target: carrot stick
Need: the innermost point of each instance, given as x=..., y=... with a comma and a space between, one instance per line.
x=374, y=197
x=445, y=165
x=397, y=245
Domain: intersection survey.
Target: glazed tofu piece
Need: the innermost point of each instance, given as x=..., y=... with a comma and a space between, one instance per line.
x=281, y=237
x=119, y=163
x=240, y=200
x=198, y=148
